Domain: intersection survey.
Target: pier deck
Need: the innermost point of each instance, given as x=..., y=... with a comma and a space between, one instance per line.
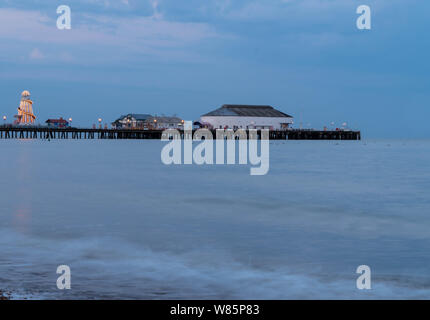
x=17, y=132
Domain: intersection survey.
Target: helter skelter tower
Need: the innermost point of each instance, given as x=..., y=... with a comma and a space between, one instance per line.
x=25, y=111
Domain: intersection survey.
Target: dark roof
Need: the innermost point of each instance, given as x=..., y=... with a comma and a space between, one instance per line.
x=61, y=120
x=137, y=116
x=247, y=111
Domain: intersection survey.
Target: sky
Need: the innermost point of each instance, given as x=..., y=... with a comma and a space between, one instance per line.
x=306, y=58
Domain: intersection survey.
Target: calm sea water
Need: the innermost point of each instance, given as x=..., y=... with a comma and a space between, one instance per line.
x=130, y=227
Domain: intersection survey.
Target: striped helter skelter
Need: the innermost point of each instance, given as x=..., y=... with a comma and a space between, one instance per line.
x=25, y=110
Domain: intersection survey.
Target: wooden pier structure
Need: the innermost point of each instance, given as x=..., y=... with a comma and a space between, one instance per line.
x=46, y=133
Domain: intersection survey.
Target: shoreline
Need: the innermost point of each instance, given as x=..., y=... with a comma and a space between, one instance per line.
x=4, y=295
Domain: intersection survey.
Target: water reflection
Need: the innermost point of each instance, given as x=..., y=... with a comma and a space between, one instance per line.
x=21, y=219
x=22, y=211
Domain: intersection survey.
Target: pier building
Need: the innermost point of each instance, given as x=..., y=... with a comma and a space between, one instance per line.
x=162, y=123
x=57, y=123
x=234, y=116
x=131, y=121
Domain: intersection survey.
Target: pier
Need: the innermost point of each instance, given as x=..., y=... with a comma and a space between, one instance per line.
x=45, y=133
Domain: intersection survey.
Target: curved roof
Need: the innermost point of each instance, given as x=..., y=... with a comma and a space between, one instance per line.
x=247, y=111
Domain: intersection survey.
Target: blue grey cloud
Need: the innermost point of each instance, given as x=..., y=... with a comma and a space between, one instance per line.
x=305, y=56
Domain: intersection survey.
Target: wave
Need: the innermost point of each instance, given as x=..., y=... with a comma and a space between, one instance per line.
x=109, y=268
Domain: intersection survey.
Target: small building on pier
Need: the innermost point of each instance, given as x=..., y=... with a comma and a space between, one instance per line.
x=162, y=123
x=57, y=123
x=131, y=121
x=232, y=116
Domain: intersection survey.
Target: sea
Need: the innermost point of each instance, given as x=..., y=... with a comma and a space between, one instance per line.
x=130, y=227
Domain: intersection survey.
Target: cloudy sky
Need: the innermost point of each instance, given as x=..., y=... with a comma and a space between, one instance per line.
x=305, y=57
